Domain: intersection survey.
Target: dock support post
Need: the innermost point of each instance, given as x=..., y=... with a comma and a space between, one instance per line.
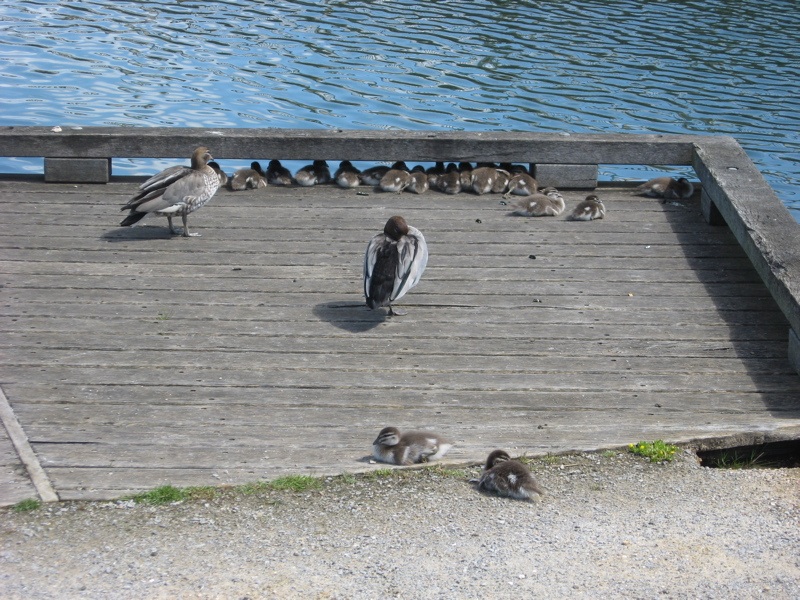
x=710, y=211
x=77, y=170
x=565, y=176
x=794, y=350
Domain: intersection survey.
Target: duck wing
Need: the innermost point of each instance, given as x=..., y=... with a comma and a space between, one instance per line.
x=413, y=253
x=156, y=186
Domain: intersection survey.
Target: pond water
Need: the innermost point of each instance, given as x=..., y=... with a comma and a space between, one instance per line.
x=662, y=66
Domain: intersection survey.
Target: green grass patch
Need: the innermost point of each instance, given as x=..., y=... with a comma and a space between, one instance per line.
x=295, y=483
x=26, y=505
x=657, y=451
x=736, y=459
x=166, y=494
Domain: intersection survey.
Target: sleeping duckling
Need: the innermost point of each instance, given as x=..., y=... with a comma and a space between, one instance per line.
x=506, y=477
x=396, y=179
x=347, y=176
x=667, y=188
x=277, y=174
x=521, y=184
x=450, y=181
x=373, y=175
x=483, y=180
x=248, y=179
x=433, y=174
x=410, y=447
x=590, y=209
x=547, y=203
x=419, y=180
x=313, y=174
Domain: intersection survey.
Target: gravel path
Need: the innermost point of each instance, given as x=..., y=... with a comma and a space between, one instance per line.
x=610, y=527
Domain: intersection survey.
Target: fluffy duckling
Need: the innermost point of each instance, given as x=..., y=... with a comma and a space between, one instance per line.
x=175, y=191
x=313, y=174
x=433, y=174
x=373, y=175
x=483, y=180
x=450, y=181
x=419, y=180
x=395, y=180
x=590, y=209
x=410, y=447
x=248, y=179
x=223, y=178
x=347, y=176
x=393, y=264
x=506, y=477
x=465, y=170
x=277, y=174
x=501, y=183
x=667, y=188
x=547, y=203
x=521, y=184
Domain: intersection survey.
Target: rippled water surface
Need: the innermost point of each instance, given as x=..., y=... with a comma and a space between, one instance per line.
x=673, y=66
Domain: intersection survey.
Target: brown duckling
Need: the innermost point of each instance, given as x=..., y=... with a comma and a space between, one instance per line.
x=588, y=210
x=410, y=447
x=506, y=477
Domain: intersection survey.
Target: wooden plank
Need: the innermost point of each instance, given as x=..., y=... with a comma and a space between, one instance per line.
x=360, y=145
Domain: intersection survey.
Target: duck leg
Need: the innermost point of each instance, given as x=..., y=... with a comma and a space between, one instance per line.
x=396, y=312
x=172, y=229
x=186, y=233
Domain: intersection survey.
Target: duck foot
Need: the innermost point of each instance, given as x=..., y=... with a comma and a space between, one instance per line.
x=396, y=312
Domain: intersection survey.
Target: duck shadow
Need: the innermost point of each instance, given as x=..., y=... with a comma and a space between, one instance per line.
x=354, y=317
x=142, y=233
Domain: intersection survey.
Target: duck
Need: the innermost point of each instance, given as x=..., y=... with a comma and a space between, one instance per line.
x=248, y=179
x=175, y=191
x=410, y=447
x=501, y=183
x=223, y=178
x=277, y=174
x=313, y=174
x=483, y=180
x=419, y=180
x=396, y=179
x=521, y=184
x=433, y=174
x=667, y=188
x=506, y=477
x=347, y=176
x=547, y=203
x=465, y=170
x=588, y=210
x=450, y=181
x=393, y=264
x=373, y=175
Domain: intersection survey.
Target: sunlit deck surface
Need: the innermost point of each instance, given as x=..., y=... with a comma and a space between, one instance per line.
x=133, y=359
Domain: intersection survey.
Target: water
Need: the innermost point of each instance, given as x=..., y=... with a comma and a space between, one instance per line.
x=670, y=66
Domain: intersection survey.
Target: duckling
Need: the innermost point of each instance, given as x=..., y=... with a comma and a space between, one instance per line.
x=465, y=169
x=396, y=179
x=521, y=184
x=393, y=264
x=450, y=181
x=506, y=477
x=223, y=178
x=410, y=447
x=313, y=174
x=252, y=178
x=483, y=180
x=419, y=180
x=277, y=174
x=433, y=174
x=373, y=175
x=547, y=203
x=667, y=188
x=590, y=209
x=501, y=183
x=175, y=191
x=347, y=176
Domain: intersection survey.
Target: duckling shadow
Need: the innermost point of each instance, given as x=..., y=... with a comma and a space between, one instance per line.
x=350, y=316
x=127, y=234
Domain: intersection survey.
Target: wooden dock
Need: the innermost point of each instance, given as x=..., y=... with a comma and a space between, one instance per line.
x=132, y=359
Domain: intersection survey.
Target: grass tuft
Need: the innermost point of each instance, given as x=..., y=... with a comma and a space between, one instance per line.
x=26, y=505
x=165, y=494
x=295, y=483
x=657, y=451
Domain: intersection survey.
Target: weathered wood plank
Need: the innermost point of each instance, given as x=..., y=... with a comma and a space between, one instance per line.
x=329, y=144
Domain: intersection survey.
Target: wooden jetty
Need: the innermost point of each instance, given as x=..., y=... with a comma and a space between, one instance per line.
x=131, y=359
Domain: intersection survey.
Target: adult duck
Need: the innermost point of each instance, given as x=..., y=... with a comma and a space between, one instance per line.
x=176, y=191
x=393, y=264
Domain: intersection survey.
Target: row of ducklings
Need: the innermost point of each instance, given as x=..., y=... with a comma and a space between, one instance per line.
x=501, y=475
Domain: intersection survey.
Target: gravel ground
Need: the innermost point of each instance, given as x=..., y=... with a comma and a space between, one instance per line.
x=611, y=526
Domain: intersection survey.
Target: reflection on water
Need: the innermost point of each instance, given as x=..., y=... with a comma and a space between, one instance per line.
x=586, y=66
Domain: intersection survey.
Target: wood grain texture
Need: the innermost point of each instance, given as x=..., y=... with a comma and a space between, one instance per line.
x=134, y=359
